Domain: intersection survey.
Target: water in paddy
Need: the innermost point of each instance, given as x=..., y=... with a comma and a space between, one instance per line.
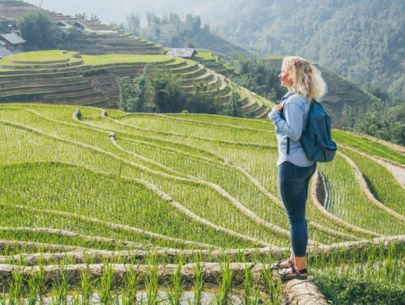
x=207, y=298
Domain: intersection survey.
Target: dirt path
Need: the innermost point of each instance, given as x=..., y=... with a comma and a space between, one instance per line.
x=397, y=171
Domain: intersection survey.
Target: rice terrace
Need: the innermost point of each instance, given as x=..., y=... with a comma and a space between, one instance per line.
x=103, y=206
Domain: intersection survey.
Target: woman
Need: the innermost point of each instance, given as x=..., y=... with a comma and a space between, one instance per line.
x=304, y=83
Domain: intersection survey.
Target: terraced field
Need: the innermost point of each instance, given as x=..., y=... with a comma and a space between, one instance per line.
x=99, y=202
x=98, y=38
x=71, y=78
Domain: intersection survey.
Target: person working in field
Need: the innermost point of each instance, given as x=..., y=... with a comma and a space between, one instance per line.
x=304, y=83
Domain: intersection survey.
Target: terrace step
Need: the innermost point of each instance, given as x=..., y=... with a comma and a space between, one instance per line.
x=249, y=107
x=45, y=88
x=204, y=78
x=22, y=83
x=76, y=98
x=39, y=76
x=42, y=66
x=44, y=71
x=263, y=113
x=194, y=74
x=176, y=64
x=183, y=70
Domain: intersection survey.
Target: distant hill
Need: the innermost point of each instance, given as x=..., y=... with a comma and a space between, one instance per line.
x=363, y=40
x=177, y=32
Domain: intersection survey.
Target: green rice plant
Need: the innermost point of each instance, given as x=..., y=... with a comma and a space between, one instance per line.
x=380, y=181
x=131, y=287
x=272, y=286
x=16, y=289
x=86, y=285
x=106, y=284
x=136, y=203
x=198, y=285
x=220, y=119
x=4, y=299
x=77, y=300
x=152, y=281
x=248, y=286
x=226, y=284
x=369, y=146
x=176, y=287
x=348, y=201
x=36, y=284
x=61, y=288
x=373, y=276
x=154, y=122
x=182, y=192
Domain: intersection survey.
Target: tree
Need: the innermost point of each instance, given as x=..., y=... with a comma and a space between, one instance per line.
x=202, y=101
x=384, y=122
x=134, y=24
x=258, y=76
x=233, y=105
x=134, y=95
x=38, y=30
x=168, y=96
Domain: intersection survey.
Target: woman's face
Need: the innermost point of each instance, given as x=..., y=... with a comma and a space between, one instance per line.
x=284, y=77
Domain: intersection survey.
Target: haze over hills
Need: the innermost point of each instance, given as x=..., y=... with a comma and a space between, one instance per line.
x=362, y=40
x=109, y=11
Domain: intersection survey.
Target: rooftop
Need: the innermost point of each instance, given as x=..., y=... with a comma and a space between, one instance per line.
x=182, y=52
x=13, y=38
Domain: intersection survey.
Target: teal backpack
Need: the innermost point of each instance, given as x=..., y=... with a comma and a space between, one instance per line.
x=316, y=138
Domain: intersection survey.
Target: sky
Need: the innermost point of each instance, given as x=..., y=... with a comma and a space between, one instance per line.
x=117, y=10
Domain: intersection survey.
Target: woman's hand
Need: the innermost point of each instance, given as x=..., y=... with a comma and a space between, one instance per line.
x=279, y=107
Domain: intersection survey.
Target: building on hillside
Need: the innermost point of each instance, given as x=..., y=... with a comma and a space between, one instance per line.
x=182, y=52
x=13, y=42
x=62, y=24
x=80, y=26
x=4, y=51
x=101, y=32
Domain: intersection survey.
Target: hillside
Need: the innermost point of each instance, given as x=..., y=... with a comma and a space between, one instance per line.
x=184, y=182
x=58, y=76
x=176, y=32
x=362, y=40
x=98, y=38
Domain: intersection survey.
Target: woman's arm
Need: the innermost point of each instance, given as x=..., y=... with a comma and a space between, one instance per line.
x=293, y=123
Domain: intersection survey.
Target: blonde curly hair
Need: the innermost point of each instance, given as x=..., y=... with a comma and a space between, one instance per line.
x=306, y=78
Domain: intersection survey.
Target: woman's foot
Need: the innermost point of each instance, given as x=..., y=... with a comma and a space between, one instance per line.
x=293, y=273
x=285, y=264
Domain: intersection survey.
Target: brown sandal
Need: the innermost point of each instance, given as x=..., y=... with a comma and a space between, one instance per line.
x=277, y=266
x=293, y=273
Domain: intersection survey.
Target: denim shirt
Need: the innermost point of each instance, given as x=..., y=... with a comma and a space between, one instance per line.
x=289, y=124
